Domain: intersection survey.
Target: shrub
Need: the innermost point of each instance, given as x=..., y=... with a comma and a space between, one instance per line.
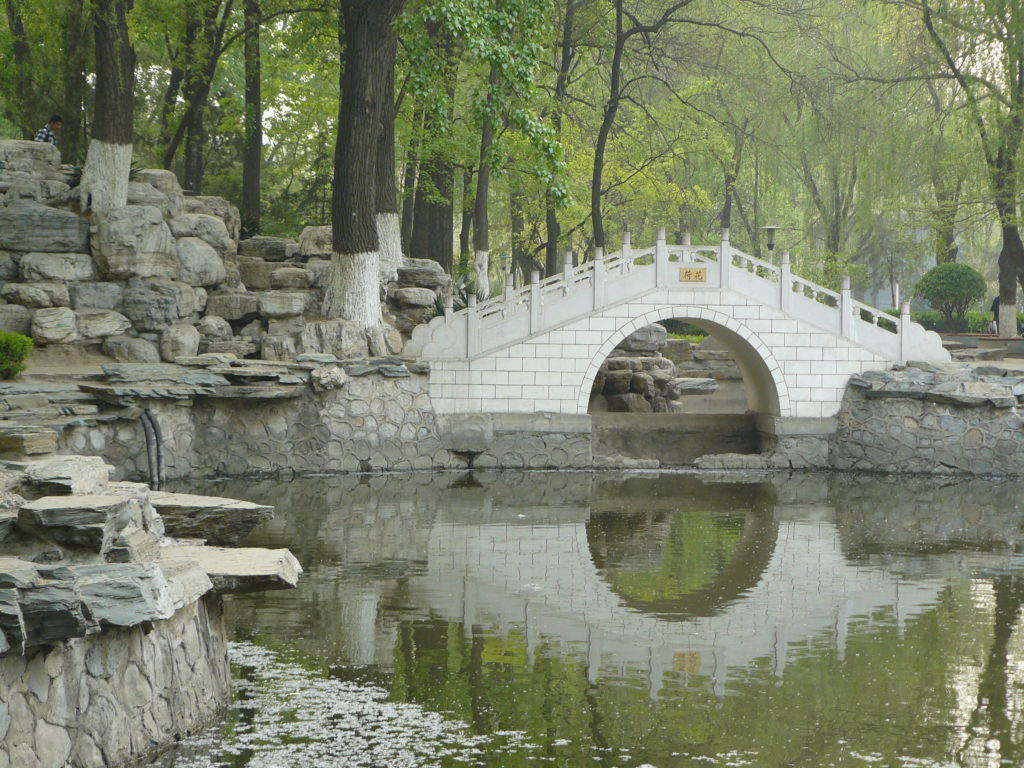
x=951, y=288
x=14, y=348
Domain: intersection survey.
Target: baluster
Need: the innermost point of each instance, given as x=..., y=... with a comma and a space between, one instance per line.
x=535, y=307
x=627, y=250
x=600, y=284
x=510, y=289
x=449, y=308
x=567, y=273
x=661, y=259
x=785, y=282
x=846, y=310
x=724, y=261
x=905, y=323
x=472, y=327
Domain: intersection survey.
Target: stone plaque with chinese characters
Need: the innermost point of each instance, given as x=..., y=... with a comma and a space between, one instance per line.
x=693, y=274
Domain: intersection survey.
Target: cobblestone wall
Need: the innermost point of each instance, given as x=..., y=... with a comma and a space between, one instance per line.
x=100, y=700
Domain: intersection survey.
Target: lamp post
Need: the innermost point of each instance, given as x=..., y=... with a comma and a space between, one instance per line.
x=770, y=232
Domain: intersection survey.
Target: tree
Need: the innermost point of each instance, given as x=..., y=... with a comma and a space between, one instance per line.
x=104, y=182
x=951, y=288
x=353, y=291
x=252, y=153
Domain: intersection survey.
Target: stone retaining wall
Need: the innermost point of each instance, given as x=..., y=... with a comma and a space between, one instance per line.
x=104, y=699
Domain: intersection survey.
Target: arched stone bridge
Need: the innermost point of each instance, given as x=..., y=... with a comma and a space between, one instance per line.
x=538, y=348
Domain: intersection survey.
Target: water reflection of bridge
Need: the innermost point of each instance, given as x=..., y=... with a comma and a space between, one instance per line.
x=504, y=559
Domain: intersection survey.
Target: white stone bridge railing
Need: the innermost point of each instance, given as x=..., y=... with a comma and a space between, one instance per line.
x=577, y=292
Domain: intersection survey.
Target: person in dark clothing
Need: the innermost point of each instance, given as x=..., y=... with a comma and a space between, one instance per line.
x=48, y=133
x=993, y=326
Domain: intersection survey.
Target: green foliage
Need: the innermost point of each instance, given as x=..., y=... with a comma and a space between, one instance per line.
x=678, y=329
x=951, y=288
x=14, y=349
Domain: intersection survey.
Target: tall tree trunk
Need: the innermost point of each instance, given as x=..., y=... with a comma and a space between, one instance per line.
x=567, y=54
x=409, y=182
x=732, y=174
x=481, y=227
x=19, y=114
x=389, y=225
x=611, y=107
x=252, y=151
x=104, y=182
x=947, y=203
x=466, y=228
x=195, y=142
x=72, y=140
x=353, y=291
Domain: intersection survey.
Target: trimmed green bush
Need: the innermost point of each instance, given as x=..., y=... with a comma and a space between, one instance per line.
x=678, y=328
x=14, y=348
x=951, y=288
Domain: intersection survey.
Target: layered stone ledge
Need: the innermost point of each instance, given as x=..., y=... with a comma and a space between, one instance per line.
x=112, y=641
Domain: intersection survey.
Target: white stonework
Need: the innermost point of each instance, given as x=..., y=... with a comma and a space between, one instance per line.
x=539, y=348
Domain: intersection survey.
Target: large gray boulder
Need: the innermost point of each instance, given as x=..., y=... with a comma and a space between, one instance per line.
x=290, y=278
x=96, y=295
x=48, y=294
x=189, y=300
x=216, y=206
x=315, y=242
x=179, y=341
x=149, y=310
x=233, y=306
x=38, y=157
x=65, y=267
x=62, y=475
x=256, y=274
x=56, y=325
x=207, y=228
x=422, y=273
x=15, y=318
x=413, y=297
x=201, y=265
x=30, y=227
x=88, y=521
x=134, y=241
x=239, y=570
x=141, y=193
x=215, y=328
x=99, y=323
x=647, y=340
x=129, y=349
x=268, y=248
x=283, y=347
x=282, y=304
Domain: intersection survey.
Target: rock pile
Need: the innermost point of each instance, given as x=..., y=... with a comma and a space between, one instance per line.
x=638, y=378
x=166, y=276
x=79, y=553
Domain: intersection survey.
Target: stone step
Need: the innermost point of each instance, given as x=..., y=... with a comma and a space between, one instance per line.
x=24, y=442
x=223, y=522
x=238, y=570
x=61, y=475
x=88, y=521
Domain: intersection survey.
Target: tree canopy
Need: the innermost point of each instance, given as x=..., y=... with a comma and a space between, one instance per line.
x=881, y=136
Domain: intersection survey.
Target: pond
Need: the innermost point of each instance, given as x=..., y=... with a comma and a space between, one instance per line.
x=578, y=619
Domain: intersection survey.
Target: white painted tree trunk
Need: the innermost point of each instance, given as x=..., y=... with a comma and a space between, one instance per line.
x=483, y=280
x=389, y=232
x=1007, y=321
x=353, y=289
x=104, y=183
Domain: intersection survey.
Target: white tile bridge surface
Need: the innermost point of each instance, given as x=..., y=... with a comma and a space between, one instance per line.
x=538, y=348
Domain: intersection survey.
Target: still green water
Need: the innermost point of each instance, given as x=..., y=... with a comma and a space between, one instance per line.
x=575, y=619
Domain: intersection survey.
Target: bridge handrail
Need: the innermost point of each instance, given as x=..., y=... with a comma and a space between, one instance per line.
x=580, y=289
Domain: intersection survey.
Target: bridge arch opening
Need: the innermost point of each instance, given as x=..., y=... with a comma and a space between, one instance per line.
x=666, y=428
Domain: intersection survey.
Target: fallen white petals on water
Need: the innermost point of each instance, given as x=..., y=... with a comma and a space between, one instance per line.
x=288, y=716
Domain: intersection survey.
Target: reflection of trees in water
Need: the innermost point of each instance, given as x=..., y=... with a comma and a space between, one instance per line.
x=997, y=717
x=690, y=556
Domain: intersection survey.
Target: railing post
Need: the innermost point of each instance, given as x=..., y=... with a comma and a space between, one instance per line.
x=534, y=301
x=687, y=254
x=785, y=282
x=449, y=308
x=905, y=323
x=600, y=282
x=724, y=261
x=567, y=273
x=627, y=250
x=510, y=289
x=846, y=309
x=896, y=294
x=472, y=327
x=661, y=259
